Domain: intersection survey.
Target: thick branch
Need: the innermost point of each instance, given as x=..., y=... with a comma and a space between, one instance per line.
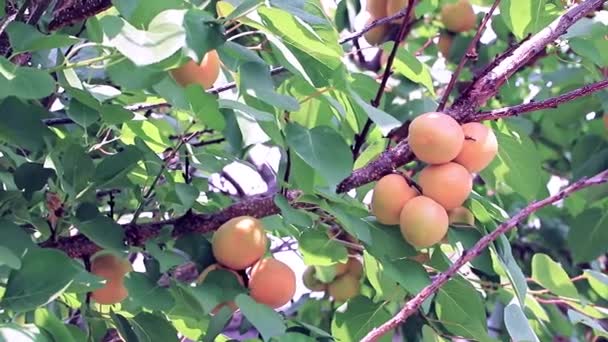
x=537, y=105
x=136, y=235
x=483, y=88
x=413, y=304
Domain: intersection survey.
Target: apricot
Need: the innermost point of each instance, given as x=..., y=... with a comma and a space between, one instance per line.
x=311, y=282
x=391, y=192
x=272, y=283
x=344, y=287
x=354, y=267
x=448, y=184
x=205, y=74
x=395, y=6
x=341, y=268
x=376, y=8
x=435, y=138
x=376, y=35
x=479, y=148
x=424, y=222
x=444, y=44
x=201, y=278
x=461, y=215
x=459, y=16
x=239, y=242
x=113, y=269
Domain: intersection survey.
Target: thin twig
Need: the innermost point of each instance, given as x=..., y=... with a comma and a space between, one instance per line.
x=469, y=54
x=413, y=304
x=374, y=23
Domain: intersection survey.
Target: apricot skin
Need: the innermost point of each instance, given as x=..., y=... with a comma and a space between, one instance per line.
x=461, y=215
x=459, y=16
x=344, y=287
x=445, y=44
x=272, y=283
x=205, y=74
x=390, y=194
x=395, y=6
x=376, y=35
x=448, y=184
x=113, y=269
x=478, y=153
x=239, y=242
x=312, y=283
x=355, y=267
x=424, y=222
x=376, y=8
x=435, y=138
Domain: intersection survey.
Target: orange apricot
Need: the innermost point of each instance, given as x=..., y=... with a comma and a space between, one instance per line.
x=448, y=184
x=311, y=282
x=205, y=74
x=444, y=44
x=344, y=287
x=459, y=16
x=424, y=222
x=435, y=138
x=390, y=194
x=113, y=269
x=272, y=283
x=376, y=8
x=355, y=267
x=479, y=148
x=376, y=35
x=239, y=242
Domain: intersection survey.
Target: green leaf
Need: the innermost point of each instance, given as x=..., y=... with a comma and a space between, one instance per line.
x=124, y=327
x=576, y=317
x=32, y=177
x=588, y=235
x=594, y=49
x=24, y=82
x=598, y=282
x=318, y=249
x=146, y=292
x=461, y=311
x=8, y=258
x=386, y=287
x=513, y=271
x=516, y=165
x=409, y=66
x=517, y=323
x=24, y=37
x=10, y=332
x=263, y=318
x=164, y=37
x=383, y=120
x=15, y=238
x=323, y=149
x=359, y=318
x=187, y=194
x=522, y=16
x=255, y=80
x=218, y=323
x=167, y=258
x=114, y=114
x=220, y=286
x=43, y=276
x=205, y=107
x=52, y=325
x=82, y=114
x=117, y=165
x=203, y=33
x=552, y=276
x=150, y=327
x=292, y=215
x=76, y=169
x=408, y=273
x=155, y=133
x=104, y=232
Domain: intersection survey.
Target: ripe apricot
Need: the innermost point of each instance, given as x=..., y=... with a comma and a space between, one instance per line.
x=444, y=44
x=459, y=16
x=201, y=278
x=239, y=242
x=341, y=268
x=272, y=283
x=435, y=138
x=461, y=215
x=376, y=35
x=393, y=7
x=354, y=267
x=479, y=149
x=424, y=222
x=448, y=184
x=390, y=194
x=344, y=287
x=205, y=73
x=113, y=269
x=311, y=282
x=376, y=8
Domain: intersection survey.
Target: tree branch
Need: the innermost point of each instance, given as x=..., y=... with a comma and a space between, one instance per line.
x=413, y=304
x=481, y=89
x=470, y=53
x=377, y=22
x=537, y=105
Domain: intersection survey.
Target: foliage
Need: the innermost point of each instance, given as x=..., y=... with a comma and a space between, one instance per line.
x=103, y=149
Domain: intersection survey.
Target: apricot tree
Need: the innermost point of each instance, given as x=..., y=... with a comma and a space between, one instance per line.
x=310, y=170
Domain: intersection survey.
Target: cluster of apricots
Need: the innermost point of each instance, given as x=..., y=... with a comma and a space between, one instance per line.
x=113, y=269
x=345, y=284
x=204, y=73
x=239, y=244
x=452, y=152
x=456, y=17
x=377, y=9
